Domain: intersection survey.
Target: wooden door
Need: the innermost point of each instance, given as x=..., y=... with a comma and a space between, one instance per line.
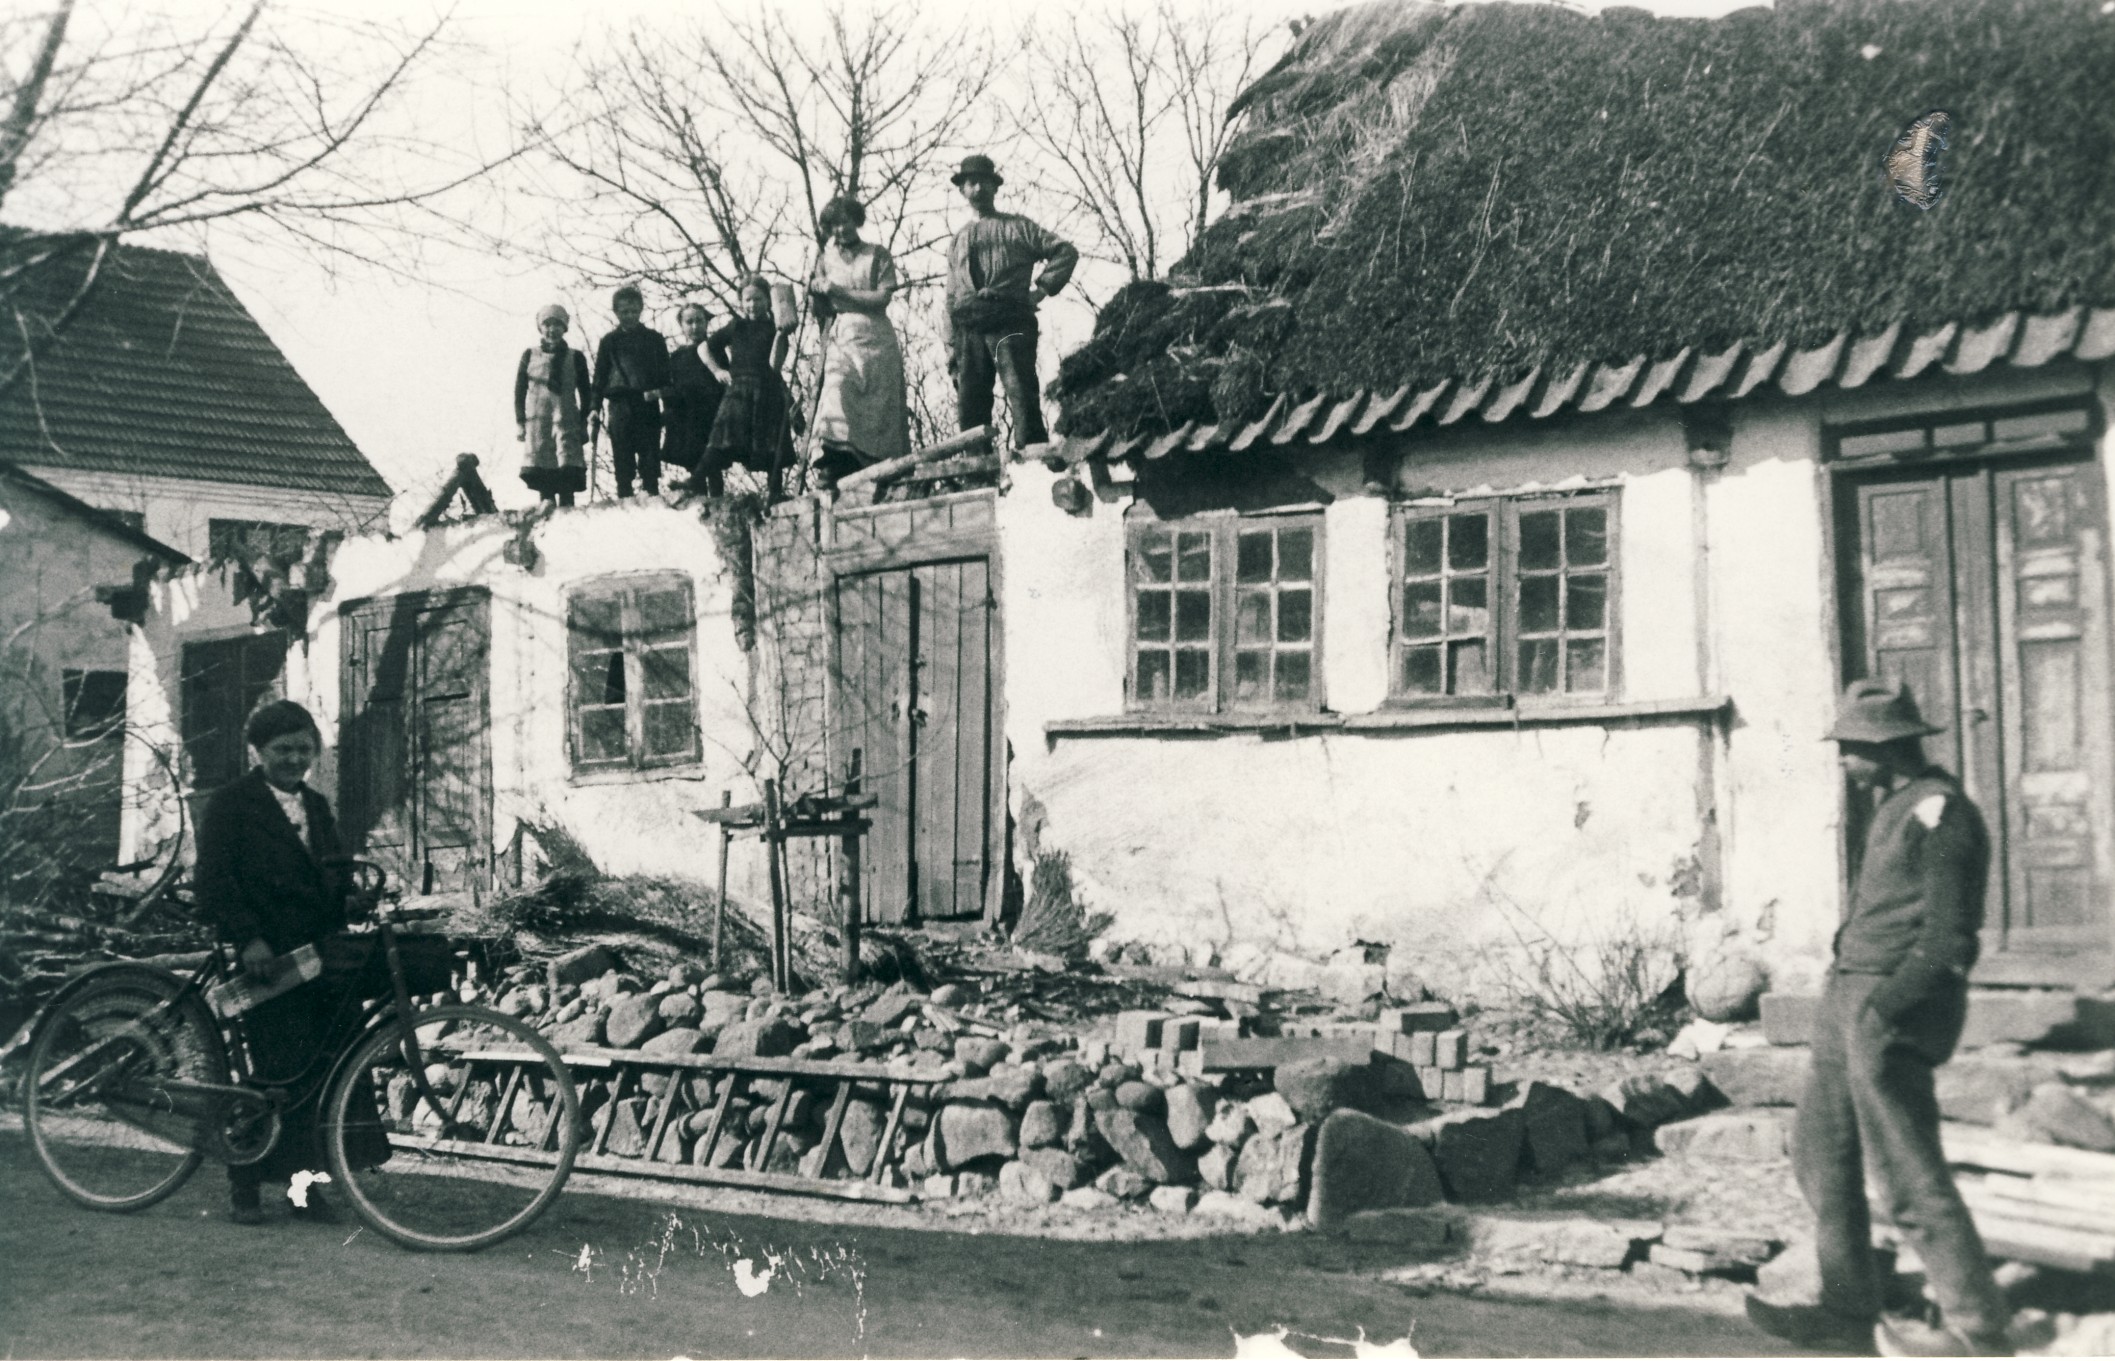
x=916, y=701
x=1983, y=587
x=414, y=773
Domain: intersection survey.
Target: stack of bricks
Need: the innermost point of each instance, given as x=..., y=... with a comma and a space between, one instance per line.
x=1156, y=1039
x=1426, y=1035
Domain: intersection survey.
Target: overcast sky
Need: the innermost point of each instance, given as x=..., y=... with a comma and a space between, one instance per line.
x=420, y=372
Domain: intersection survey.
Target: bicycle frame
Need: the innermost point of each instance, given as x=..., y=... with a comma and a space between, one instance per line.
x=316, y=1076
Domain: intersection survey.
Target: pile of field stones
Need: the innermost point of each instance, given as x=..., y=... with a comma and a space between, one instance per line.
x=1029, y=1112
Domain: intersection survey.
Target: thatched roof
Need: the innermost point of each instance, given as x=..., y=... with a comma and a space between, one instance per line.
x=1511, y=208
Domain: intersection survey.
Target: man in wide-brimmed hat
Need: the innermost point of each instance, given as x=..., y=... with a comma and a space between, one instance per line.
x=1890, y=1013
x=991, y=303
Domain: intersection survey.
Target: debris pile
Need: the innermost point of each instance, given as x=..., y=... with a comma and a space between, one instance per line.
x=122, y=917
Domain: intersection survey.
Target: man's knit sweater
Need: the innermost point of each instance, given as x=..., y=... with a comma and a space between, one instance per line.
x=1917, y=907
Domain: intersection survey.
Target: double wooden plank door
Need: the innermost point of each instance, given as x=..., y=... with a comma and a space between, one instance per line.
x=915, y=698
x=415, y=768
x=1983, y=587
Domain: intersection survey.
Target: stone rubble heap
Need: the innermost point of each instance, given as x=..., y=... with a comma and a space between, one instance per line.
x=1182, y=1111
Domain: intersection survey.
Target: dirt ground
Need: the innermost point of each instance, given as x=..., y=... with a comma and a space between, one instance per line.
x=638, y=1269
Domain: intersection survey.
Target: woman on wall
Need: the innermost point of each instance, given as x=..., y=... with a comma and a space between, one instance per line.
x=861, y=418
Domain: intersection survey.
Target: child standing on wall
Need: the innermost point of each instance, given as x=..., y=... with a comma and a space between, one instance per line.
x=631, y=380
x=550, y=411
x=753, y=427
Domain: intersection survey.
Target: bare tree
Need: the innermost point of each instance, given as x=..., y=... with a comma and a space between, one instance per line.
x=295, y=127
x=708, y=151
x=1126, y=112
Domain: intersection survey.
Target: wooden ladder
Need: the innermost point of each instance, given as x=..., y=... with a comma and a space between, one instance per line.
x=651, y=1114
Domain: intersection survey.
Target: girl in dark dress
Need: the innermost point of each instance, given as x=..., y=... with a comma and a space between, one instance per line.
x=693, y=404
x=753, y=427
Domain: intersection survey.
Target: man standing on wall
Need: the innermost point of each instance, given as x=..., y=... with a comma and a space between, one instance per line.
x=991, y=304
x=1891, y=1012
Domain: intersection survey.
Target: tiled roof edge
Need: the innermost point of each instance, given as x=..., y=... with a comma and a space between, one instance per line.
x=2019, y=339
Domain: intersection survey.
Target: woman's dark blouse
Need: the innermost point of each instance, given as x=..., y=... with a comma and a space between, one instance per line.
x=255, y=878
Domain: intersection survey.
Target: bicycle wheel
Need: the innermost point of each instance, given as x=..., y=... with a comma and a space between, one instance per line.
x=105, y=1116
x=479, y=1168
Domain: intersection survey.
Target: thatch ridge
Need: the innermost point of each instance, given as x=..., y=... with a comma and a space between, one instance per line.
x=1479, y=193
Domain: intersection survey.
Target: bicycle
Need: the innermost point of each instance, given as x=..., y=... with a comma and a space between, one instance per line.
x=132, y=1083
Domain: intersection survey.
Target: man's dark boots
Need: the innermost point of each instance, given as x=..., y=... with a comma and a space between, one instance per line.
x=1813, y=1327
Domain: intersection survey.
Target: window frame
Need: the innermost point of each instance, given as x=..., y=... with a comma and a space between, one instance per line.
x=1504, y=575
x=235, y=540
x=79, y=684
x=635, y=642
x=1223, y=531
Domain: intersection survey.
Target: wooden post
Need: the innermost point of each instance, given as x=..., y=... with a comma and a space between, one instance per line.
x=778, y=887
x=719, y=903
x=848, y=875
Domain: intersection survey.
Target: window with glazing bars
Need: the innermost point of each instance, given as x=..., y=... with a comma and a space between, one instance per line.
x=1226, y=614
x=633, y=702
x=1505, y=596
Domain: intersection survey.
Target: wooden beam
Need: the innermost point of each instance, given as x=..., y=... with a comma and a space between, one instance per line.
x=969, y=441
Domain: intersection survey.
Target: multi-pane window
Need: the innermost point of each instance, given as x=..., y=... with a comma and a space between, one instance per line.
x=633, y=702
x=1226, y=614
x=248, y=540
x=1505, y=596
x=1446, y=646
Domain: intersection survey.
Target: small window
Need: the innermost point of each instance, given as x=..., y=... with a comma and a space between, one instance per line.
x=1226, y=614
x=1506, y=596
x=633, y=699
x=248, y=540
x=95, y=703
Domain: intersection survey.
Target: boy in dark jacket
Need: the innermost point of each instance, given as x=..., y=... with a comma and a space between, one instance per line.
x=1891, y=1012
x=631, y=380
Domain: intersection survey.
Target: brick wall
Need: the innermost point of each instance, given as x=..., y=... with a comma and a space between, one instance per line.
x=790, y=693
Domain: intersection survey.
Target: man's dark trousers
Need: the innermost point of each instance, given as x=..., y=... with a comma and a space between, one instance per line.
x=635, y=442
x=1010, y=358
x=1869, y=1099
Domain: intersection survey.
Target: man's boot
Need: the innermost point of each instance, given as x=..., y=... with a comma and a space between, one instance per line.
x=1813, y=1327
x=1895, y=1335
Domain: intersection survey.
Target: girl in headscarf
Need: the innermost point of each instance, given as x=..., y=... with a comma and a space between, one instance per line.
x=861, y=418
x=550, y=411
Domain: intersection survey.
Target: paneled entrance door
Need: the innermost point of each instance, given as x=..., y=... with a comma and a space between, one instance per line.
x=915, y=699
x=1982, y=584
x=415, y=769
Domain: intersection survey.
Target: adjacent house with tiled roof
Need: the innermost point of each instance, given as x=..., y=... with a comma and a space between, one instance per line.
x=1494, y=501
x=168, y=489
x=160, y=397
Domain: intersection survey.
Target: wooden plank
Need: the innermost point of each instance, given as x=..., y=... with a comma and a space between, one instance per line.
x=856, y=1189
x=1983, y=1197
x=632, y=1059
x=967, y=465
x=2045, y=1245
x=973, y=739
x=1242, y=1055
x=1974, y=1146
x=711, y=1176
x=969, y=441
x=937, y=674
x=889, y=1129
x=890, y=673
